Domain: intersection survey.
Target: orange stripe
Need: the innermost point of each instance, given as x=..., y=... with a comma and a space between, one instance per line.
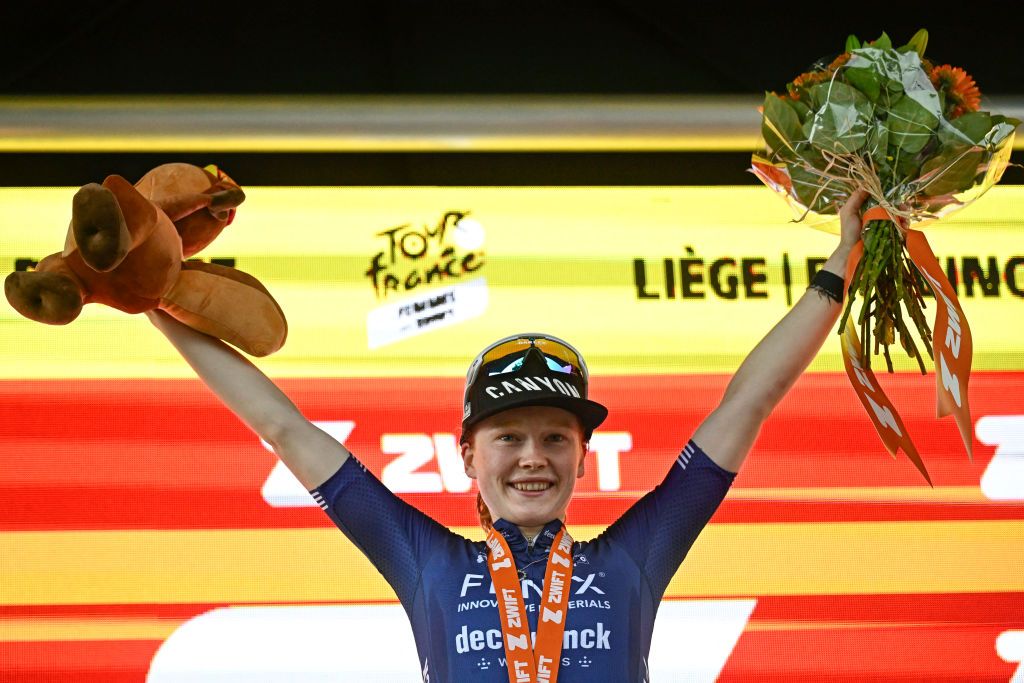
x=794, y=559
x=46, y=629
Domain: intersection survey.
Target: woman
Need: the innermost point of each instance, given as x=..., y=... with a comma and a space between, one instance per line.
x=531, y=604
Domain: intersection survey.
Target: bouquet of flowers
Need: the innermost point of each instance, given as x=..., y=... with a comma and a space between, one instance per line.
x=911, y=133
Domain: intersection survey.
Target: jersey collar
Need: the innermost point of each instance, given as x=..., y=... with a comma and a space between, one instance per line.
x=517, y=542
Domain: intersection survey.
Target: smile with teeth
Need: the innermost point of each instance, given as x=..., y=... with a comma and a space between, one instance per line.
x=532, y=485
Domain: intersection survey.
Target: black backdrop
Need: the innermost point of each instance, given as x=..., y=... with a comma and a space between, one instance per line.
x=483, y=47
x=443, y=47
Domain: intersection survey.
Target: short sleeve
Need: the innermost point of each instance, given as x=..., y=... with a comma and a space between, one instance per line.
x=659, y=529
x=396, y=537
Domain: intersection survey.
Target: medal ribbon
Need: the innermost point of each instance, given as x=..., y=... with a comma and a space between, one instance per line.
x=953, y=357
x=527, y=664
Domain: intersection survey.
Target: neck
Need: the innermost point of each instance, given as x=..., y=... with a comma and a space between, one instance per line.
x=530, y=532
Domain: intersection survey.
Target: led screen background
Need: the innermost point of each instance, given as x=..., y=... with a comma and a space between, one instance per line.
x=144, y=530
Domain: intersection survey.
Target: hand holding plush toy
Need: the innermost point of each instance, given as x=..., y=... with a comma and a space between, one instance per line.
x=126, y=248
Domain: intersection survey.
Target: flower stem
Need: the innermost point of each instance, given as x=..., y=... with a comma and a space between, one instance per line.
x=887, y=282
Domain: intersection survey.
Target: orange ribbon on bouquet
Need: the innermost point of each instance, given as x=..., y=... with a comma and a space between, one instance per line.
x=952, y=351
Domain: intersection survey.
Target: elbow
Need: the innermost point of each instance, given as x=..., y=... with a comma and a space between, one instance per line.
x=757, y=403
x=760, y=411
x=280, y=431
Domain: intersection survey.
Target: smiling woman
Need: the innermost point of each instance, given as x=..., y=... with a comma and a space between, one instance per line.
x=525, y=429
x=526, y=462
x=529, y=603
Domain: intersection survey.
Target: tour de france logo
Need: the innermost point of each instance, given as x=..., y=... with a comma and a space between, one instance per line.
x=426, y=276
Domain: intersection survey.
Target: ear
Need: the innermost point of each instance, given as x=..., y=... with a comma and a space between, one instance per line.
x=467, y=459
x=583, y=458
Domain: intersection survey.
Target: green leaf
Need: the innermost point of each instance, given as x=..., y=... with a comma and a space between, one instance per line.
x=886, y=102
x=976, y=128
x=780, y=126
x=877, y=147
x=905, y=164
x=837, y=93
x=999, y=118
x=801, y=109
x=952, y=171
x=975, y=125
x=882, y=42
x=910, y=125
x=827, y=133
x=841, y=122
x=852, y=43
x=919, y=42
x=815, y=192
x=864, y=80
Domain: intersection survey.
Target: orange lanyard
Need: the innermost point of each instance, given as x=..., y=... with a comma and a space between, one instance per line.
x=528, y=664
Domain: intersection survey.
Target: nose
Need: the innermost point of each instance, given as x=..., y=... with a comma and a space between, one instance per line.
x=532, y=457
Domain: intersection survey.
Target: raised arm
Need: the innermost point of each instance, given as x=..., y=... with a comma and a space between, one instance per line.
x=767, y=374
x=310, y=453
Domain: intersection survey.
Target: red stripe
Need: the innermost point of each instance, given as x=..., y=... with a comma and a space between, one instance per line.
x=154, y=508
x=788, y=638
x=153, y=454
x=966, y=609
x=930, y=637
x=180, y=611
x=77, y=660
x=926, y=653
x=154, y=610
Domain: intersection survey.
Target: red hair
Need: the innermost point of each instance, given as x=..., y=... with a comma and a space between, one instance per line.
x=483, y=513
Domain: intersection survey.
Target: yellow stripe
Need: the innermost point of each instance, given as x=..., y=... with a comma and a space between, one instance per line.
x=312, y=246
x=97, y=628
x=854, y=557
x=320, y=565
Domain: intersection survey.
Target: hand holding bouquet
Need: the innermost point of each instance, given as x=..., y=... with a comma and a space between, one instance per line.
x=910, y=133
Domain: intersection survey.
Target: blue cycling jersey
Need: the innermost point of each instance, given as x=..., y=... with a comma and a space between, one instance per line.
x=618, y=579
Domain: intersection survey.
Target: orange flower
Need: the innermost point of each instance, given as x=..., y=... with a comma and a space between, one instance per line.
x=806, y=81
x=961, y=90
x=809, y=79
x=838, y=62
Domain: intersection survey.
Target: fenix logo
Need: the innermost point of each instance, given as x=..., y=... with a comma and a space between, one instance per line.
x=580, y=585
x=597, y=638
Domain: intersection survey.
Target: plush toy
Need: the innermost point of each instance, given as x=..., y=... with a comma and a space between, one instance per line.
x=126, y=247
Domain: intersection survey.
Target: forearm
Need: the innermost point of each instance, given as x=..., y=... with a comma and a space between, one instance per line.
x=310, y=453
x=239, y=384
x=768, y=372
x=785, y=352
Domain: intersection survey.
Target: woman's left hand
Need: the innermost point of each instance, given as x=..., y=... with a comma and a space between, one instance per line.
x=849, y=219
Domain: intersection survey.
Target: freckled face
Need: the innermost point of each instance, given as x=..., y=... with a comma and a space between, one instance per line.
x=526, y=462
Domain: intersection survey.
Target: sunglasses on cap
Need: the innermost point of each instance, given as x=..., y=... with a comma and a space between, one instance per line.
x=559, y=355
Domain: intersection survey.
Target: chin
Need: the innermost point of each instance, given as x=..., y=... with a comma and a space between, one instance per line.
x=536, y=517
x=531, y=512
